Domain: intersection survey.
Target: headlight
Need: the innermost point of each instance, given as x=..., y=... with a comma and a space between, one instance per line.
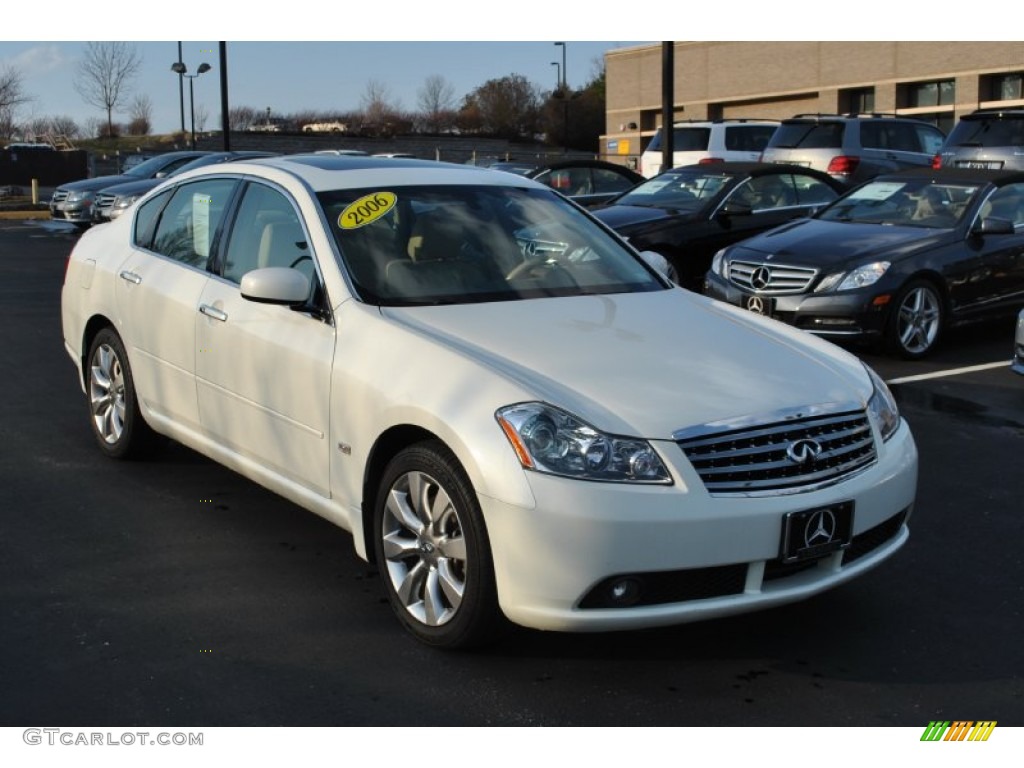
x=861, y=277
x=718, y=263
x=882, y=406
x=124, y=202
x=547, y=439
x=76, y=197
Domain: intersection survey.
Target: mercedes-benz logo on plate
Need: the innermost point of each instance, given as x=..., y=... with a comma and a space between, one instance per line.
x=820, y=528
x=760, y=278
x=756, y=304
x=803, y=451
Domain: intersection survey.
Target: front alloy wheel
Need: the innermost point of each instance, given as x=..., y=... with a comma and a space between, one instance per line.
x=917, y=320
x=432, y=549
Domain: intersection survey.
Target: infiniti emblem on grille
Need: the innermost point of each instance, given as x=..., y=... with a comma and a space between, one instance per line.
x=803, y=451
x=820, y=528
x=760, y=278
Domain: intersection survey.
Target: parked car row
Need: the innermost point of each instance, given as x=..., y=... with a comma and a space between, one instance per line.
x=852, y=147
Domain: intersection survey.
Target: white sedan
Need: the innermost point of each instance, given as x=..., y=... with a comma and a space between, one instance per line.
x=515, y=415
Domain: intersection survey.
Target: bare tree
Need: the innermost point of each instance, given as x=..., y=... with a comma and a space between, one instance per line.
x=437, y=103
x=240, y=118
x=105, y=74
x=377, y=105
x=141, y=112
x=62, y=125
x=201, y=116
x=12, y=95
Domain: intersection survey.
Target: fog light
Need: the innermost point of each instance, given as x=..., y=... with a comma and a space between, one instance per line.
x=624, y=592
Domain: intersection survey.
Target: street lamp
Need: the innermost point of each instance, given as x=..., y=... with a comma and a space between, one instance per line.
x=563, y=72
x=565, y=100
x=558, y=75
x=181, y=69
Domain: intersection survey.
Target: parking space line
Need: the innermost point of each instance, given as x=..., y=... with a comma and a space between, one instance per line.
x=950, y=372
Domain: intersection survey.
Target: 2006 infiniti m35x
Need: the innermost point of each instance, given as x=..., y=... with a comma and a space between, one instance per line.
x=513, y=413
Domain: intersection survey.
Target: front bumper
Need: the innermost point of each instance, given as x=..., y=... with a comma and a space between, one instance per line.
x=549, y=560
x=80, y=212
x=851, y=314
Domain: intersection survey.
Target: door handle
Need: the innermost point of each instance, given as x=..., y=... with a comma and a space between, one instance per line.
x=131, y=277
x=213, y=312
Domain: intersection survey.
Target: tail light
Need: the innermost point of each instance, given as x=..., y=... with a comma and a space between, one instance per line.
x=843, y=165
x=937, y=162
x=710, y=160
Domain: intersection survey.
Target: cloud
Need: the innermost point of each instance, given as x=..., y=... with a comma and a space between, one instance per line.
x=38, y=60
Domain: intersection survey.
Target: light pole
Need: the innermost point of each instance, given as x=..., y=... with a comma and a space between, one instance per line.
x=565, y=100
x=182, y=70
x=558, y=75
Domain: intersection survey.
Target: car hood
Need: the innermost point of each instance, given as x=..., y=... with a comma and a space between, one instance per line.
x=644, y=364
x=97, y=183
x=140, y=187
x=834, y=243
x=625, y=218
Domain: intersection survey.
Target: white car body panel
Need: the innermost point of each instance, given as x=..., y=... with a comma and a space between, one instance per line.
x=299, y=405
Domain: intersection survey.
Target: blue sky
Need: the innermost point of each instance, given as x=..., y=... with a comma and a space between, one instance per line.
x=293, y=73
x=291, y=76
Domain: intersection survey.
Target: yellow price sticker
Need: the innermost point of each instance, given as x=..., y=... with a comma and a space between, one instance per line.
x=366, y=210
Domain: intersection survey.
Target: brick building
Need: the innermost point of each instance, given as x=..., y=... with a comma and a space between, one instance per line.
x=937, y=81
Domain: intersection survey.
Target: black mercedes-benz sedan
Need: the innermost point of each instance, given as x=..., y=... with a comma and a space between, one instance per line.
x=899, y=260
x=688, y=213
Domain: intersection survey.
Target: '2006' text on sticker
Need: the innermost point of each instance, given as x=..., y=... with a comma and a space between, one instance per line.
x=366, y=210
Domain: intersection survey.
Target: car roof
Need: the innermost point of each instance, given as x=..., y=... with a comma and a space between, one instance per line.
x=753, y=168
x=584, y=163
x=961, y=175
x=329, y=172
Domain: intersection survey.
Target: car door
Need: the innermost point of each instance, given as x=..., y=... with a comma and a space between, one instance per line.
x=263, y=371
x=158, y=288
x=996, y=274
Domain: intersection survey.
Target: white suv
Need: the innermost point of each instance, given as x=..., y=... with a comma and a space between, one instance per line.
x=709, y=141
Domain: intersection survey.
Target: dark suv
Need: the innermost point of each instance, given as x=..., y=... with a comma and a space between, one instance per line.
x=854, y=148
x=985, y=139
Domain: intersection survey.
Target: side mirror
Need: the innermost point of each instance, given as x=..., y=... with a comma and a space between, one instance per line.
x=993, y=226
x=659, y=264
x=160, y=175
x=736, y=208
x=275, y=285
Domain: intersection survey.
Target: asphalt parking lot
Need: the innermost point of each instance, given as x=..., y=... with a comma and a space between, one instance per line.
x=175, y=592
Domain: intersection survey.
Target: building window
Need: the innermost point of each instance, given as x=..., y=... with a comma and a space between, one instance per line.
x=1005, y=87
x=857, y=100
x=938, y=93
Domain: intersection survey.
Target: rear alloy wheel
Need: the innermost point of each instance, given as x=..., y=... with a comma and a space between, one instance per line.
x=113, y=407
x=433, y=551
x=916, y=321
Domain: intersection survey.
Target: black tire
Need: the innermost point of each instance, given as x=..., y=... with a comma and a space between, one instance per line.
x=114, y=415
x=432, y=550
x=916, y=321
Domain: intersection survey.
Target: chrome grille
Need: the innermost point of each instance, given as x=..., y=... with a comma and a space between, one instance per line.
x=770, y=278
x=754, y=459
x=104, y=200
x=60, y=195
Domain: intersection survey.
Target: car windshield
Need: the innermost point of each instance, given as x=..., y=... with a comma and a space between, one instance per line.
x=905, y=203
x=684, y=140
x=678, y=189
x=988, y=132
x=407, y=246
x=148, y=168
x=808, y=135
